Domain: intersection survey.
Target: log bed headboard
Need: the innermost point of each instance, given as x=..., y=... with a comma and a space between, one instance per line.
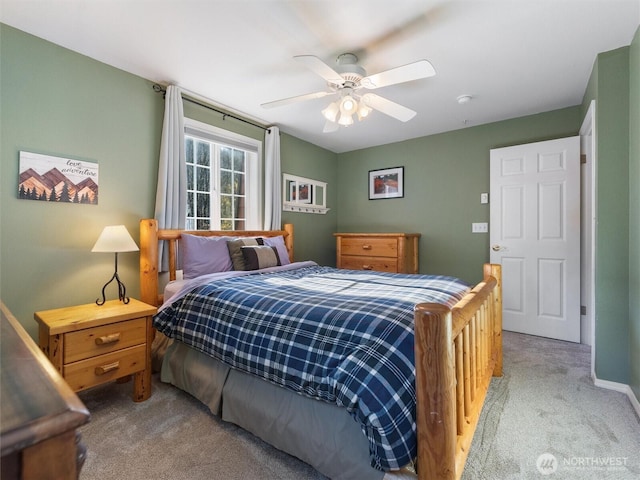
x=150, y=234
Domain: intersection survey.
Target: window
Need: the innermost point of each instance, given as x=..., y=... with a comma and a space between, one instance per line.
x=223, y=171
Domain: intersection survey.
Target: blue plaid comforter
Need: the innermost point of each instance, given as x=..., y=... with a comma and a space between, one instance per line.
x=342, y=336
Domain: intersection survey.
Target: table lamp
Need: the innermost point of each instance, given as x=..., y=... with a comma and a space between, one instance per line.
x=115, y=239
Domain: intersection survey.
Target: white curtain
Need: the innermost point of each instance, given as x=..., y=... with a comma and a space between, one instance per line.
x=171, y=194
x=272, y=180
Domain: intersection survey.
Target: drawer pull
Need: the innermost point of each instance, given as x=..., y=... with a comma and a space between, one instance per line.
x=106, y=339
x=366, y=247
x=367, y=267
x=109, y=367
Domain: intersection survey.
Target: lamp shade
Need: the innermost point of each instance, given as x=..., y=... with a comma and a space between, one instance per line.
x=115, y=238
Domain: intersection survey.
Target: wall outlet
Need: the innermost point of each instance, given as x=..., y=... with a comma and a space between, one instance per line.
x=480, y=227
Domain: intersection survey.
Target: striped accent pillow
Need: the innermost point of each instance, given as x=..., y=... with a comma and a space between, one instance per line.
x=235, y=250
x=262, y=256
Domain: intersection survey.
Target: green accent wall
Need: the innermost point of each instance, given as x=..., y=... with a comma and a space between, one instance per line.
x=444, y=177
x=313, y=233
x=634, y=215
x=57, y=102
x=609, y=86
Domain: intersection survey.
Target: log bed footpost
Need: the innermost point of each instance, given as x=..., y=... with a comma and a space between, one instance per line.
x=495, y=271
x=435, y=392
x=457, y=351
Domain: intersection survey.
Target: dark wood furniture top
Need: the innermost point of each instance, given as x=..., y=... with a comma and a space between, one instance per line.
x=39, y=413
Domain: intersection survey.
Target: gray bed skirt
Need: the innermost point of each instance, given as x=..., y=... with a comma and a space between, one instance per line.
x=320, y=434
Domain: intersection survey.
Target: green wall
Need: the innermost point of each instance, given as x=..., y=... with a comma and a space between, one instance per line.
x=56, y=102
x=444, y=177
x=609, y=86
x=313, y=233
x=634, y=214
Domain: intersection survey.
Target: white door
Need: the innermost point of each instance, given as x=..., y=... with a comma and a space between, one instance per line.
x=535, y=236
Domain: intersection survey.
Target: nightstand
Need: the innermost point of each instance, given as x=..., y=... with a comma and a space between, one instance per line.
x=90, y=344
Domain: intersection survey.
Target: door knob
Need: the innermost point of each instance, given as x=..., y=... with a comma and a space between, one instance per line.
x=496, y=248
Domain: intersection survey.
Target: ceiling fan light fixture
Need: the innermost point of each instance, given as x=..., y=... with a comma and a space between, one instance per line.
x=331, y=112
x=363, y=110
x=348, y=105
x=345, y=81
x=345, y=119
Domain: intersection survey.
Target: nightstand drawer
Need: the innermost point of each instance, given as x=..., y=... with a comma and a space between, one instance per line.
x=378, y=264
x=97, y=370
x=374, y=247
x=105, y=339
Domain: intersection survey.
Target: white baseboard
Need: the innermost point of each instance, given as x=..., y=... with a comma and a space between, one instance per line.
x=619, y=387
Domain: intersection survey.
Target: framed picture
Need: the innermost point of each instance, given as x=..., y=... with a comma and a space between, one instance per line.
x=387, y=183
x=56, y=179
x=300, y=192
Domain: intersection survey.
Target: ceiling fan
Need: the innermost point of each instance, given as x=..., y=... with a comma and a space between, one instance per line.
x=347, y=80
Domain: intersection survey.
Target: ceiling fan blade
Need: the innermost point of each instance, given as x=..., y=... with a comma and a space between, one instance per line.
x=317, y=66
x=330, y=126
x=388, y=107
x=298, y=98
x=406, y=73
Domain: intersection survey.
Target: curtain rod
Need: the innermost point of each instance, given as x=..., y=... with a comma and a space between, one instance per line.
x=160, y=89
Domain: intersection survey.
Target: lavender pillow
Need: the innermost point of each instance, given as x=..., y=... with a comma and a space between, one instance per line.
x=278, y=242
x=204, y=255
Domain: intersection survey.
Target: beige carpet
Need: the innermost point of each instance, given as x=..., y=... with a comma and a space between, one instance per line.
x=543, y=419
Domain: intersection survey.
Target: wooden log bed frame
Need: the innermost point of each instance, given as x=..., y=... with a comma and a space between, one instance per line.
x=458, y=350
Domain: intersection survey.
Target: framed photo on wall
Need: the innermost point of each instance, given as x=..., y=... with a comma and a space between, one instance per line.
x=300, y=192
x=386, y=183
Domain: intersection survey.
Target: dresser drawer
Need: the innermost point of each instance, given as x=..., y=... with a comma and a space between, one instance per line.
x=111, y=366
x=383, y=252
x=379, y=264
x=104, y=339
x=371, y=247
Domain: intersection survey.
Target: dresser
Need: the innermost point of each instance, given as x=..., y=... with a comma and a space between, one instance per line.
x=39, y=413
x=94, y=344
x=382, y=252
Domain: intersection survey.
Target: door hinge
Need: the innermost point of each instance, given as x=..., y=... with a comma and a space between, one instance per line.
x=583, y=310
x=583, y=158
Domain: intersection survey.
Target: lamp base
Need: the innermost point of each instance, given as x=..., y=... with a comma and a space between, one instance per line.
x=122, y=291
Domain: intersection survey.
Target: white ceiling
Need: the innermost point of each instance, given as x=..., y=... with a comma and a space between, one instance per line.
x=515, y=57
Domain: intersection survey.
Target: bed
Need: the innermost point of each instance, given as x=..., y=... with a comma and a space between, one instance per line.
x=455, y=348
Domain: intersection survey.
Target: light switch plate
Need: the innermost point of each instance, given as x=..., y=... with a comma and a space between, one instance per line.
x=484, y=198
x=482, y=227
